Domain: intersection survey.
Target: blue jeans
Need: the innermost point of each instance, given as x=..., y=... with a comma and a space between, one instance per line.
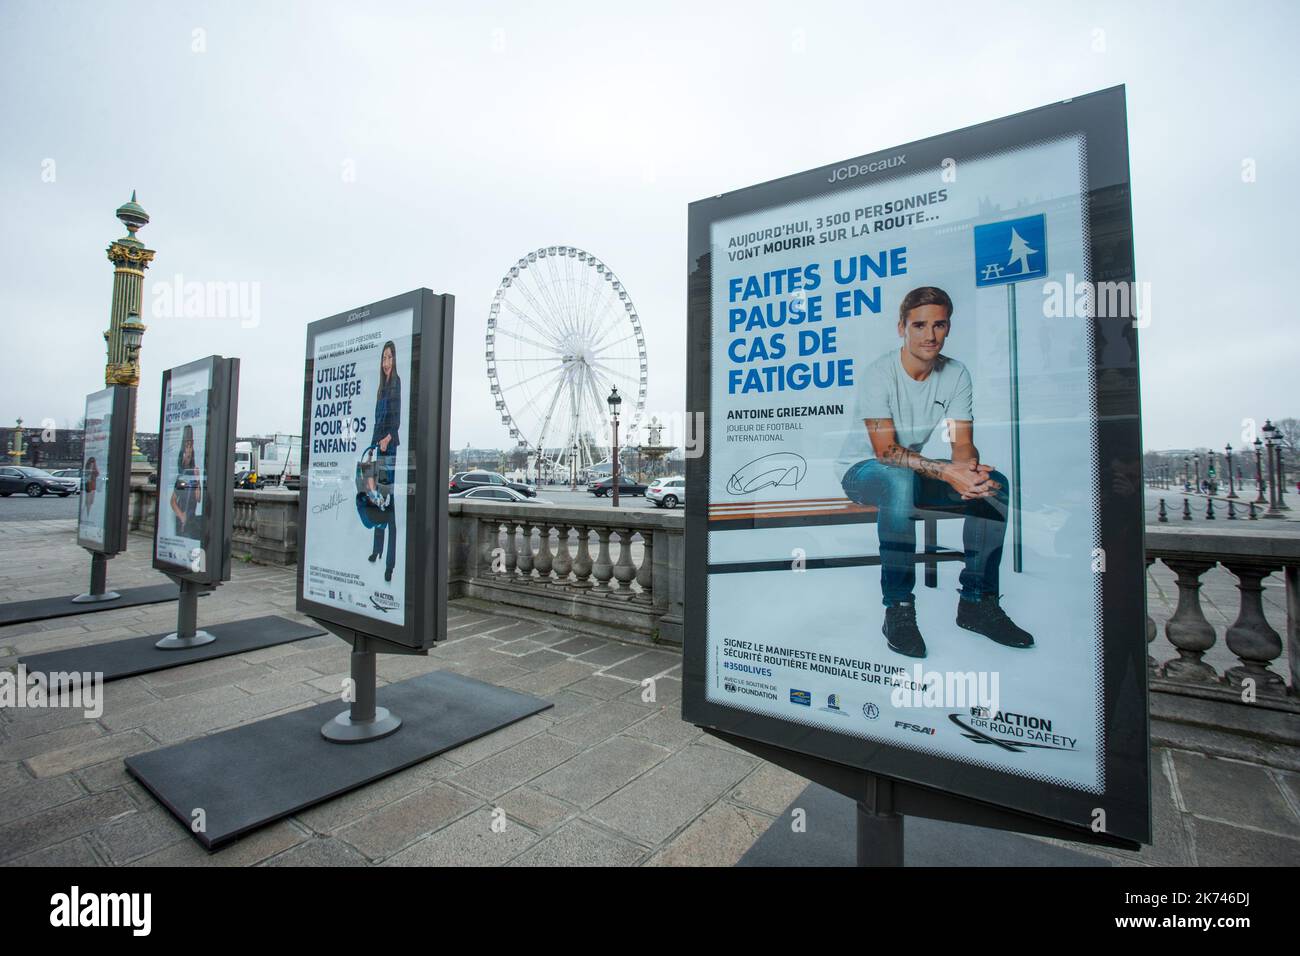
x=902, y=496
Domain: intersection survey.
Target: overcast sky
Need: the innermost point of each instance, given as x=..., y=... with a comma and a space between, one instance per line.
x=333, y=154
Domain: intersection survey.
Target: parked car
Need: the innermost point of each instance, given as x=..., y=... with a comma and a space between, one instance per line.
x=34, y=482
x=465, y=480
x=497, y=493
x=73, y=474
x=667, y=492
x=626, y=486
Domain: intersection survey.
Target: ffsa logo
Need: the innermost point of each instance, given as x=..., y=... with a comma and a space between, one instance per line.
x=74, y=909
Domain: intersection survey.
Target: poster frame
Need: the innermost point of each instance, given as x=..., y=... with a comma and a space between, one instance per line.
x=219, y=469
x=1102, y=119
x=425, y=555
x=117, y=507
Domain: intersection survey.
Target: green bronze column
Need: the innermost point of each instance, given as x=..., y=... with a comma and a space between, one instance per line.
x=130, y=258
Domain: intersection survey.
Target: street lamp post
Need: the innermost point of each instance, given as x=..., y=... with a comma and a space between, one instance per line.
x=1187, y=473
x=1281, y=470
x=125, y=331
x=1196, y=460
x=1270, y=446
x=1259, y=471
x=614, y=400
x=1227, y=453
x=573, y=468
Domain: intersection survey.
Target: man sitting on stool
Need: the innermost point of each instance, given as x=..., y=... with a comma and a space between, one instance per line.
x=903, y=396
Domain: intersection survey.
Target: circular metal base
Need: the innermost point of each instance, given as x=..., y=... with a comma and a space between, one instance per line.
x=95, y=598
x=173, y=642
x=343, y=730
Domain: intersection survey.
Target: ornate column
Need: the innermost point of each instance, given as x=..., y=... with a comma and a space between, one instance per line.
x=125, y=331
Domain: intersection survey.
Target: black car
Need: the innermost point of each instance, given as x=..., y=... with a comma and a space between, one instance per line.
x=465, y=480
x=626, y=486
x=34, y=482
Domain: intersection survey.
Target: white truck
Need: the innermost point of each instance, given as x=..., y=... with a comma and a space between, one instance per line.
x=273, y=461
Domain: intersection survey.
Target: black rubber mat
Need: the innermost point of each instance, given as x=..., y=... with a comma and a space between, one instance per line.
x=246, y=777
x=137, y=655
x=42, y=609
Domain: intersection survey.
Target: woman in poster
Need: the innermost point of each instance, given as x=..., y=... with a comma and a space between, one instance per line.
x=388, y=422
x=187, y=495
x=89, y=483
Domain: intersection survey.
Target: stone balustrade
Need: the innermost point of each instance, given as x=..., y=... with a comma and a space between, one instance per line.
x=623, y=569
x=1251, y=554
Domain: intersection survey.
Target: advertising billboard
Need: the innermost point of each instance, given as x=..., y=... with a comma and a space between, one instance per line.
x=196, y=463
x=106, y=470
x=373, y=500
x=911, y=541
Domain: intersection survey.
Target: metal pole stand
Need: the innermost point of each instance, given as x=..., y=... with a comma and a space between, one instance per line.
x=1013, y=358
x=880, y=827
x=98, y=582
x=364, y=721
x=187, y=615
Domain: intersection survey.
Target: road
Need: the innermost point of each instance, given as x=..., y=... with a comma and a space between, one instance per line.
x=45, y=508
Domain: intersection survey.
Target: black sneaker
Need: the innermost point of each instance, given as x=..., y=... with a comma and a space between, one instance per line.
x=900, y=630
x=988, y=618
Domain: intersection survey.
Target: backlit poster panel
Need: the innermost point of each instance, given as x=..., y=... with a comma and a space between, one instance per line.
x=358, y=482
x=184, y=498
x=913, y=526
x=372, y=512
x=96, y=475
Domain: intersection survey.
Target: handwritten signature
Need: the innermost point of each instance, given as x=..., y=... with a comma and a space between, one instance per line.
x=783, y=468
x=336, y=499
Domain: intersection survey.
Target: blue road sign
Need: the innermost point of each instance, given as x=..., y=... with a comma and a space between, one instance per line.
x=1011, y=251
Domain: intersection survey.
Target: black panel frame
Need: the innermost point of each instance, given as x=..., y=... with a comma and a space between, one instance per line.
x=428, y=450
x=117, y=506
x=218, y=470
x=1101, y=117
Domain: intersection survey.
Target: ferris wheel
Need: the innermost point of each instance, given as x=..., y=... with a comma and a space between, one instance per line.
x=561, y=333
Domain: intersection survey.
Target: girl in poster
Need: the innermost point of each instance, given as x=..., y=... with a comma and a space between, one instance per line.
x=388, y=421
x=89, y=484
x=187, y=496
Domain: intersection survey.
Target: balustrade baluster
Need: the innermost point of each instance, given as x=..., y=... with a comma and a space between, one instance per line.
x=624, y=571
x=602, y=570
x=1188, y=630
x=645, y=573
x=582, y=563
x=544, y=560
x=563, y=561
x=1250, y=637
x=526, y=553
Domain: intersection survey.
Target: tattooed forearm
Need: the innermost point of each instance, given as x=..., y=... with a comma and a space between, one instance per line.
x=902, y=457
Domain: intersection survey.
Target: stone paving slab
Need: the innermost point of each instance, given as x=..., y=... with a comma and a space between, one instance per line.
x=607, y=777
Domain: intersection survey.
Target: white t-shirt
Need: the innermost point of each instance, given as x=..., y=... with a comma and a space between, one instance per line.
x=885, y=390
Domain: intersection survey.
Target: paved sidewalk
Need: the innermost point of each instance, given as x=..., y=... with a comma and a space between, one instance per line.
x=608, y=777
